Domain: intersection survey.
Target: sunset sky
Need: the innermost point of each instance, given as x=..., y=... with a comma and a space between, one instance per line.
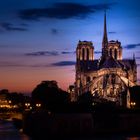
x=38, y=38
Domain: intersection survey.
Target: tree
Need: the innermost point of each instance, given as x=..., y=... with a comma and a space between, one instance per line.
x=49, y=95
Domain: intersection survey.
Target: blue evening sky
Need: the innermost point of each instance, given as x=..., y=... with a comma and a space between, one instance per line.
x=38, y=38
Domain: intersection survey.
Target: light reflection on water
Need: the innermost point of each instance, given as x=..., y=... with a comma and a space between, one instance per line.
x=9, y=132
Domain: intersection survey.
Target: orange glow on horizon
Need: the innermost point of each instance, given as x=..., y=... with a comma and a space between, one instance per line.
x=25, y=80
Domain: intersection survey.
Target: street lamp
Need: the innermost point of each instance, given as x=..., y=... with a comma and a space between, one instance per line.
x=27, y=105
x=38, y=105
x=133, y=104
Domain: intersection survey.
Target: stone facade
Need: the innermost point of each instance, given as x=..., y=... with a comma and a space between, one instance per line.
x=107, y=76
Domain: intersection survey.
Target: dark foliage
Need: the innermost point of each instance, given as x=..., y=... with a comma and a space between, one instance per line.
x=50, y=95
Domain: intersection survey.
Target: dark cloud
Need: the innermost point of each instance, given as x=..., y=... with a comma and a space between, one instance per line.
x=63, y=11
x=43, y=53
x=67, y=52
x=24, y=24
x=138, y=58
x=10, y=27
x=97, y=52
x=131, y=46
x=54, y=31
x=11, y=64
x=64, y=63
x=112, y=32
x=20, y=64
x=48, y=53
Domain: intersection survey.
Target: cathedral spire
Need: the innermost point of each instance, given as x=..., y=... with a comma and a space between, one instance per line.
x=105, y=39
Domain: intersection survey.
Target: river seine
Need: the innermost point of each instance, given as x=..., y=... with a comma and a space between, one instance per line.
x=9, y=132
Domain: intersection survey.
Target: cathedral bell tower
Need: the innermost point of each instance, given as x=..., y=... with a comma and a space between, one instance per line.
x=85, y=51
x=84, y=55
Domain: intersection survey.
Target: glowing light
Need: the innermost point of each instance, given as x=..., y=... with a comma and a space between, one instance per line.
x=132, y=104
x=27, y=104
x=38, y=105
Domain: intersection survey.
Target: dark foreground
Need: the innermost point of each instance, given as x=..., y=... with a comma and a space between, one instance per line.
x=9, y=132
x=85, y=125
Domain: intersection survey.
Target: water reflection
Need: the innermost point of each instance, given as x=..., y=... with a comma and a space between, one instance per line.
x=9, y=132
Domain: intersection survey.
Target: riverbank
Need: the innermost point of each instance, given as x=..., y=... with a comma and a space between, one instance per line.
x=46, y=124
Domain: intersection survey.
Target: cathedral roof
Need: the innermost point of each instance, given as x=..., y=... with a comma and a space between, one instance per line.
x=89, y=65
x=127, y=63
x=110, y=62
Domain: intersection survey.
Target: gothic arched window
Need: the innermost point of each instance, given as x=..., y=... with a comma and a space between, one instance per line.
x=88, y=79
x=87, y=54
x=115, y=54
x=83, y=53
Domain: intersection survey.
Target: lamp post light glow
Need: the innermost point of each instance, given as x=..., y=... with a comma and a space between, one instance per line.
x=9, y=101
x=38, y=105
x=133, y=104
x=27, y=105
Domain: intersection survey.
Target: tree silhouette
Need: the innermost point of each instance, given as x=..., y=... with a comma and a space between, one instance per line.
x=49, y=95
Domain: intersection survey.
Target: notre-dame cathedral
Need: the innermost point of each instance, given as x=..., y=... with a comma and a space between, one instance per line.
x=107, y=76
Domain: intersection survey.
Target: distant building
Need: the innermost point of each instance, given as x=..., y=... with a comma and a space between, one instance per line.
x=107, y=76
x=4, y=102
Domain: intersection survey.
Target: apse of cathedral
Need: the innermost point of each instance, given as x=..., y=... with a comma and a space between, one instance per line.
x=107, y=76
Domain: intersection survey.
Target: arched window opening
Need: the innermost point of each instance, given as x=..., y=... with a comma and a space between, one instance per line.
x=83, y=53
x=115, y=54
x=93, y=78
x=88, y=79
x=78, y=56
x=87, y=54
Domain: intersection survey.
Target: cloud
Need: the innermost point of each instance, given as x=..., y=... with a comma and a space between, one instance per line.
x=48, y=53
x=64, y=63
x=131, y=46
x=67, y=52
x=97, y=52
x=112, y=32
x=54, y=31
x=43, y=53
x=63, y=11
x=19, y=64
x=11, y=64
x=138, y=58
x=10, y=27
